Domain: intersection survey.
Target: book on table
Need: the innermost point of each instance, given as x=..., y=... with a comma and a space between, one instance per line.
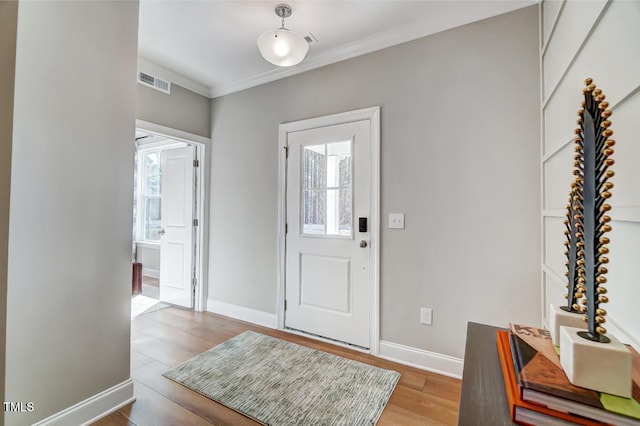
x=525, y=412
x=542, y=381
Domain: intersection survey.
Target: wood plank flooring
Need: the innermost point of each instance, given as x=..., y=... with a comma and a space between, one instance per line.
x=165, y=338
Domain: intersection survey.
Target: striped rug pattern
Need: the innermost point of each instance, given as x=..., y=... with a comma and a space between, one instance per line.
x=280, y=383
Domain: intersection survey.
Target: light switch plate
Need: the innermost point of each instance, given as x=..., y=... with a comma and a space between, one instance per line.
x=396, y=220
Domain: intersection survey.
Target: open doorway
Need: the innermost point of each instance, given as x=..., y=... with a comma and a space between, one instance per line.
x=167, y=234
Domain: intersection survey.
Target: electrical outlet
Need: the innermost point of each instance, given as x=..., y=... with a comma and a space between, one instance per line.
x=426, y=316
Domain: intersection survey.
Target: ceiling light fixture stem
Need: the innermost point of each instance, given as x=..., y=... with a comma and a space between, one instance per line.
x=283, y=11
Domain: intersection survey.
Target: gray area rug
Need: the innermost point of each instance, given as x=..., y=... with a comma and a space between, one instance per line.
x=282, y=383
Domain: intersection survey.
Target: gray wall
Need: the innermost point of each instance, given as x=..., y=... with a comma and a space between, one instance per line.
x=181, y=110
x=69, y=276
x=8, y=25
x=460, y=149
x=583, y=30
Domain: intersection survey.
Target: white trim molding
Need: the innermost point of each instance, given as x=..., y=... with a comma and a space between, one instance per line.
x=545, y=43
x=203, y=147
x=371, y=114
x=618, y=213
x=170, y=133
x=148, y=272
x=413, y=357
x=242, y=313
x=621, y=333
x=419, y=358
x=94, y=408
x=148, y=245
x=576, y=54
x=375, y=42
x=391, y=37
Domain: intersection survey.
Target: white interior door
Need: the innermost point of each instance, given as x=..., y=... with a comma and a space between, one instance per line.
x=328, y=279
x=176, y=241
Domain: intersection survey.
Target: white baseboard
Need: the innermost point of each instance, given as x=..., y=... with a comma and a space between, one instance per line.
x=94, y=408
x=264, y=319
x=413, y=357
x=148, y=272
x=424, y=360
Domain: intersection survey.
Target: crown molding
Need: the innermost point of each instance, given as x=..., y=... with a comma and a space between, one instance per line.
x=150, y=68
x=363, y=46
x=389, y=38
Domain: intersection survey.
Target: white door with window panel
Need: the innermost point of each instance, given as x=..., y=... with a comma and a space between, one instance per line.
x=328, y=280
x=176, y=241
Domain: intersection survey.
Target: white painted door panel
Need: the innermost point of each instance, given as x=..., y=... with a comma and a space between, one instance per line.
x=325, y=282
x=328, y=279
x=176, y=243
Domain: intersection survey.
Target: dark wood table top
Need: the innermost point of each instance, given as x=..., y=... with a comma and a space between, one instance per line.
x=483, y=400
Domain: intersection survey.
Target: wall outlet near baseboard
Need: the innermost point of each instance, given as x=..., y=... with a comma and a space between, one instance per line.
x=426, y=316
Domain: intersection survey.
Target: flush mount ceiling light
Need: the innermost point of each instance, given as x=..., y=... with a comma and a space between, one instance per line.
x=282, y=46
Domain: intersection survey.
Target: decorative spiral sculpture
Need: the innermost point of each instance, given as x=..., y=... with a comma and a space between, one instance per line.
x=587, y=220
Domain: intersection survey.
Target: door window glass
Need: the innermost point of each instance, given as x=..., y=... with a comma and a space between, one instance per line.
x=326, y=189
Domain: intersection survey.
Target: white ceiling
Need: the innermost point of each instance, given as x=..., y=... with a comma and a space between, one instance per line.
x=209, y=46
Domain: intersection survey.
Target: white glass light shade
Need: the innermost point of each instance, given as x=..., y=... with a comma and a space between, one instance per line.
x=282, y=47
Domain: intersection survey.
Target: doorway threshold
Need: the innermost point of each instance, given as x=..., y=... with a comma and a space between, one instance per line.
x=141, y=304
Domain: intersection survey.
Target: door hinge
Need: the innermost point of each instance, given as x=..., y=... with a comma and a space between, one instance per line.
x=285, y=305
x=286, y=152
x=195, y=222
x=286, y=228
x=196, y=163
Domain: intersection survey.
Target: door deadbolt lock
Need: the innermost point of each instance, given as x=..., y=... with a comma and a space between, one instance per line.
x=363, y=244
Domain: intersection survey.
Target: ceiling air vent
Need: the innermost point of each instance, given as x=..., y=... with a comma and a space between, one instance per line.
x=154, y=82
x=310, y=38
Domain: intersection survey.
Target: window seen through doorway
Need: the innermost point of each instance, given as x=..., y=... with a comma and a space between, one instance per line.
x=151, y=195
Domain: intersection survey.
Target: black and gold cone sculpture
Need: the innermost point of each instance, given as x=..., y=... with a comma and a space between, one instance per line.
x=587, y=219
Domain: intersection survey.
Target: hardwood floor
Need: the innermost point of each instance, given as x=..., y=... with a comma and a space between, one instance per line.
x=165, y=338
x=150, y=281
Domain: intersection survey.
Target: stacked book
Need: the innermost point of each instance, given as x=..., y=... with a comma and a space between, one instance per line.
x=539, y=392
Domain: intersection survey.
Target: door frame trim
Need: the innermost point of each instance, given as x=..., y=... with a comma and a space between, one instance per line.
x=371, y=114
x=203, y=146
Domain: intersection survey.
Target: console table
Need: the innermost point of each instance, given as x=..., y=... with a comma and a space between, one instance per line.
x=482, y=399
